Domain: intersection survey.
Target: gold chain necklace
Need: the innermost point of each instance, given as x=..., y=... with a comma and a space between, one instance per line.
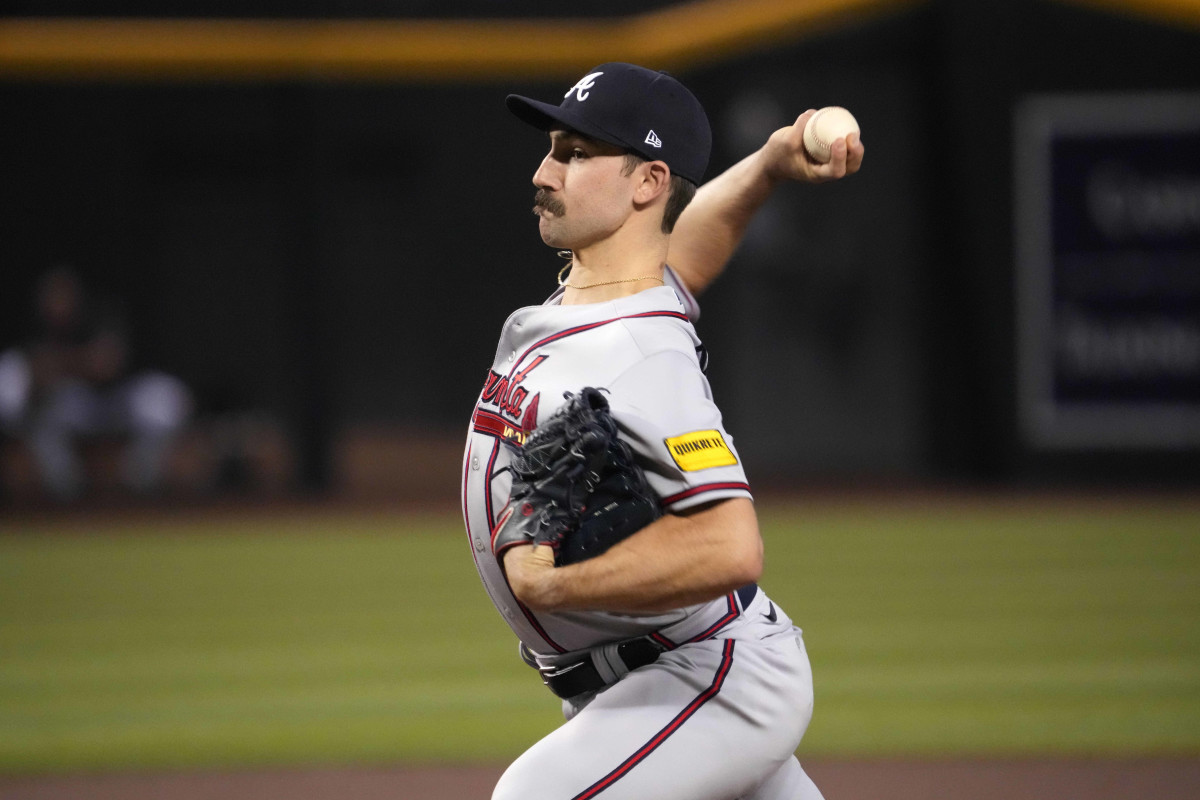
x=564, y=284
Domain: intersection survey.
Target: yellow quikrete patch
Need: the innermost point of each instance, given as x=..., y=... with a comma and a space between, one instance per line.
x=700, y=450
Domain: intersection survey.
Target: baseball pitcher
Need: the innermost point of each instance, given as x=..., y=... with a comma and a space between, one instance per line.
x=607, y=507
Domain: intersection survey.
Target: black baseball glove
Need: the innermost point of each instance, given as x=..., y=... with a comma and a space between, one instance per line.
x=575, y=486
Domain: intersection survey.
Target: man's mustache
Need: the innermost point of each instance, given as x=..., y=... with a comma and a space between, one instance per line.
x=543, y=200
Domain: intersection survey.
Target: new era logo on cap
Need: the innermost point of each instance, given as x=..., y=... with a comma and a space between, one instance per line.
x=645, y=112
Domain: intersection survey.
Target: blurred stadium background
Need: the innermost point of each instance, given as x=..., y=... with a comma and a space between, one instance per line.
x=966, y=382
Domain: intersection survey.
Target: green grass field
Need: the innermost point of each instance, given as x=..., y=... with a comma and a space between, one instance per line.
x=944, y=627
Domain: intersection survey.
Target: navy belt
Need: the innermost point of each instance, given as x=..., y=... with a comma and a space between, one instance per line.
x=746, y=594
x=571, y=680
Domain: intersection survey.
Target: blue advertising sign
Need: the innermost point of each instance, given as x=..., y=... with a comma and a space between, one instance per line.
x=1108, y=270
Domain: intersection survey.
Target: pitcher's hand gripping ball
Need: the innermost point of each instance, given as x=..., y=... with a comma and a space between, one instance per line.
x=824, y=128
x=576, y=487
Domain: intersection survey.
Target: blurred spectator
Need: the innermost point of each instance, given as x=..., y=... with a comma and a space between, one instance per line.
x=72, y=381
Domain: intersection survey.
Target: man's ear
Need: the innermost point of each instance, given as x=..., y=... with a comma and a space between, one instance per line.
x=654, y=179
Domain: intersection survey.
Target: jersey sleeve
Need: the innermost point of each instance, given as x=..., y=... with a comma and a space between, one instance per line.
x=690, y=306
x=664, y=408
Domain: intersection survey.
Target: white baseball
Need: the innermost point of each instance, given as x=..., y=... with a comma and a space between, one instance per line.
x=824, y=128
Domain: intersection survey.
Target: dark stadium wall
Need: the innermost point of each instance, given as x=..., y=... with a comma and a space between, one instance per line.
x=343, y=253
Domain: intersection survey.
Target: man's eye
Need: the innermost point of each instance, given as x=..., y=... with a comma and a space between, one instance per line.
x=577, y=153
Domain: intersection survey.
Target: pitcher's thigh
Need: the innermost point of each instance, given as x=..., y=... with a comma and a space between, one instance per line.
x=691, y=726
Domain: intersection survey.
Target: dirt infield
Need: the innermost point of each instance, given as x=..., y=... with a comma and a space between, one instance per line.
x=1049, y=779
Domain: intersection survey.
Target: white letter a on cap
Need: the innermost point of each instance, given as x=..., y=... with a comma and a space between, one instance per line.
x=581, y=89
x=653, y=140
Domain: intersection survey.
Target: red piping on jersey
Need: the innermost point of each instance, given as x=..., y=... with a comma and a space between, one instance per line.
x=537, y=626
x=494, y=527
x=486, y=422
x=591, y=325
x=729, y=617
x=649, y=747
x=706, y=487
x=487, y=490
x=731, y=614
x=664, y=641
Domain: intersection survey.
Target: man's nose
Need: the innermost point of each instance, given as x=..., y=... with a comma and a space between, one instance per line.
x=547, y=175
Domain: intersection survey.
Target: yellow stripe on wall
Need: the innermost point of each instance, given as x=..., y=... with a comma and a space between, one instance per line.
x=693, y=32
x=696, y=32
x=1184, y=13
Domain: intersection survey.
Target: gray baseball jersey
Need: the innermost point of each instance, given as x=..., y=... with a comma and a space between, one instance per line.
x=644, y=350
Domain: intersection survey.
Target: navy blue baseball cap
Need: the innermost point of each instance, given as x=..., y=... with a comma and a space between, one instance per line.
x=649, y=113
